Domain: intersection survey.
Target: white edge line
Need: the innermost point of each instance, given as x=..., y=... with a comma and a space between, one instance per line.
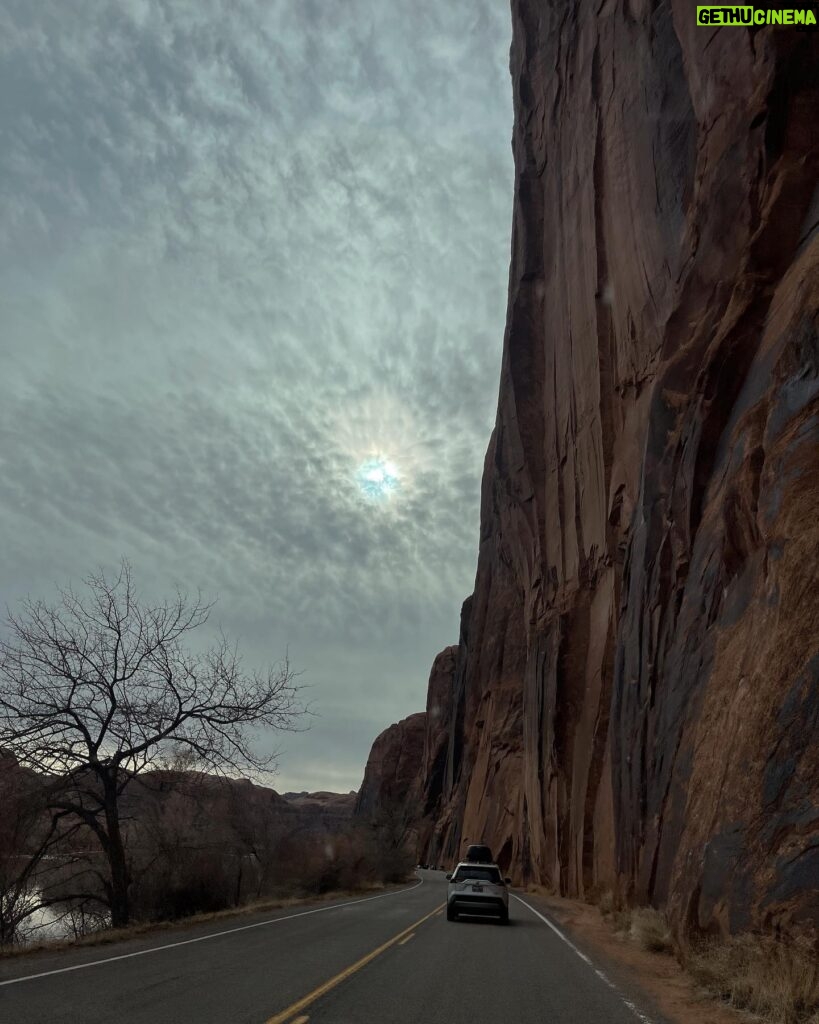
x=204, y=938
x=600, y=974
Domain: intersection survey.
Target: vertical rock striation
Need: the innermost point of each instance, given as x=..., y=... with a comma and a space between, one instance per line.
x=634, y=699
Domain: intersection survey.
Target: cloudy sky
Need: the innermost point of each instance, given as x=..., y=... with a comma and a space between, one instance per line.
x=248, y=247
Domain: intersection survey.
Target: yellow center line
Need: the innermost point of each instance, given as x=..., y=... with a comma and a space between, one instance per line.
x=311, y=997
x=401, y=943
x=300, y=1020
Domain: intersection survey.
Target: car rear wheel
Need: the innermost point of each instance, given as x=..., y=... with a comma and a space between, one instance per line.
x=504, y=917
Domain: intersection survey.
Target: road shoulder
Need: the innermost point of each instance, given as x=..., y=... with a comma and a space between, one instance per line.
x=653, y=980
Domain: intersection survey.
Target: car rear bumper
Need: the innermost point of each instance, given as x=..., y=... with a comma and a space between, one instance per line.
x=485, y=906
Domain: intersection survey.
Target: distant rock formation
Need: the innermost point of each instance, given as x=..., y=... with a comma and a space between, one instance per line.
x=634, y=700
x=325, y=812
x=392, y=778
x=207, y=803
x=225, y=804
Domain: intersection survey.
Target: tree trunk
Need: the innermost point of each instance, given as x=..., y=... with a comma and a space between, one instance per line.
x=117, y=861
x=238, y=898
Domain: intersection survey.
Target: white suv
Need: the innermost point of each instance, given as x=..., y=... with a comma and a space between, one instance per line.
x=478, y=889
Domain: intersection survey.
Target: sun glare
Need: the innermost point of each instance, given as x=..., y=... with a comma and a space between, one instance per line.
x=378, y=478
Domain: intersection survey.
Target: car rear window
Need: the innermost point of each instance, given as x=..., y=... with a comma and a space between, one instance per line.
x=478, y=872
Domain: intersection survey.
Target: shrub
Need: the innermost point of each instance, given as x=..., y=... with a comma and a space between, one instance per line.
x=195, y=882
x=649, y=929
x=607, y=903
x=620, y=920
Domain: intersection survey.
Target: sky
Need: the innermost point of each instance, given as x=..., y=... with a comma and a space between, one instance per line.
x=253, y=271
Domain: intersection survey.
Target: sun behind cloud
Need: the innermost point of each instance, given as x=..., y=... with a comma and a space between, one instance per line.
x=386, y=449
x=378, y=478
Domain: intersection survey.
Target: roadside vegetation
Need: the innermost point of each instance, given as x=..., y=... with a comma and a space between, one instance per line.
x=775, y=980
x=203, y=881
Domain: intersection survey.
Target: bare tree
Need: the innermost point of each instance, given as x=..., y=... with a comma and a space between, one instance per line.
x=100, y=686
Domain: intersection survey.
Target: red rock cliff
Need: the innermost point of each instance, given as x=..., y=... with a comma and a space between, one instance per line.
x=634, y=701
x=392, y=777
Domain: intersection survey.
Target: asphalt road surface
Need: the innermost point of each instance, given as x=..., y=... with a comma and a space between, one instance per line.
x=389, y=959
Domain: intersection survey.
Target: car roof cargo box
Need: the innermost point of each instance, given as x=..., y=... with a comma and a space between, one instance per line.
x=479, y=854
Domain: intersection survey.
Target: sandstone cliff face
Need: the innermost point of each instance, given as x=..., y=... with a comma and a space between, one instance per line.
x=392, y=778
x=634, y=700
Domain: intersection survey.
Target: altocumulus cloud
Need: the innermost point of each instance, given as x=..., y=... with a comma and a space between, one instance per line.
x=246, y=246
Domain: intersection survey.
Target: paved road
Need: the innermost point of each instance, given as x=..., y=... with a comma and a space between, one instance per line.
x=393, y=959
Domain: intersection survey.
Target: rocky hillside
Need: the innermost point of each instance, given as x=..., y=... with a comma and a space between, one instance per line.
x=191, y=804
x=322, y=811
x=634, y=699
x=225, y=808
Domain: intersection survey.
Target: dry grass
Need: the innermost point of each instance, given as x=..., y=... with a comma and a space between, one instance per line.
x=615, y=914
x=760, y=978
x=607, y=903
x=778, y=981
x=649, y=929
x=775, y=980
x=645, y=926
x=620, y=922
